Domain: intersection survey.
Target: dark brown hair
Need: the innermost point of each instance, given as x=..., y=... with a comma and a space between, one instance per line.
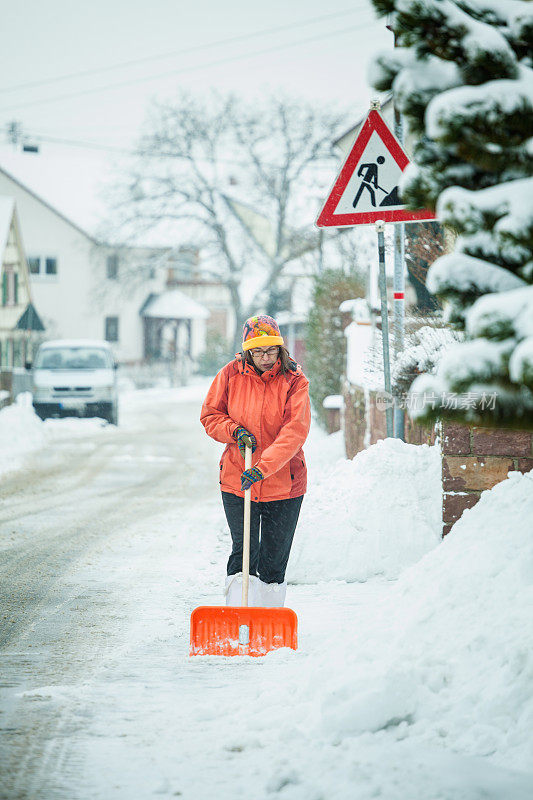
x=287, y=363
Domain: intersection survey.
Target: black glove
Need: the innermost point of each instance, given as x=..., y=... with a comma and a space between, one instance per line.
x=244, y=439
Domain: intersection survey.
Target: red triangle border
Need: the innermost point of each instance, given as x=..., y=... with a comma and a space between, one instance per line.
x=328, y=218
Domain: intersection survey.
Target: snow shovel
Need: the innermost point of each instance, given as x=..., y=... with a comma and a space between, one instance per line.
x=242, y=630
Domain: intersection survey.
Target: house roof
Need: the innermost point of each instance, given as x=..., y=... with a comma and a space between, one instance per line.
x=7, y=205
x=74, y=188
x=30, y=320
x=350, y=133
x=28, y=188
x=173, y=304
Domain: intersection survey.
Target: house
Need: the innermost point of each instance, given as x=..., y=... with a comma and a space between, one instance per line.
x=127, y=283
x=345, y=141
x=20, y=324
x=85, y=288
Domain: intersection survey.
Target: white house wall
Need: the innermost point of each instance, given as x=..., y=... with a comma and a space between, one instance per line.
x=63, y=300
x=118, y=299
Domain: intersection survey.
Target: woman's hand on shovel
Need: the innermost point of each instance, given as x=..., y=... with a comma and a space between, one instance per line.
x=250, y=476
x=244, y=439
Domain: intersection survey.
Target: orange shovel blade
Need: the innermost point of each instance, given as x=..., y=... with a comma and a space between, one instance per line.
x=241, y=631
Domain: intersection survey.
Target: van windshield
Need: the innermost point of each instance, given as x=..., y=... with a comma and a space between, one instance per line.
x=73, y=358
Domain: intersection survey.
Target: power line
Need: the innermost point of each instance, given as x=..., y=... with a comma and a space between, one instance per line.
x=185, y=51
x=207, y=65
x=37, y=137
x=122, y=150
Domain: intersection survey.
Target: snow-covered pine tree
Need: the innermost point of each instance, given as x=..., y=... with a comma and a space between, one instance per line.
x=462, y=76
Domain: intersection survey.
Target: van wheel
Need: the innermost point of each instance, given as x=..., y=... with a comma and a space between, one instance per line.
x=41, y=410
x=111, y=413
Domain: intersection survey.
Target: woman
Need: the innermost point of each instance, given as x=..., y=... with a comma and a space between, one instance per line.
x=260, y=399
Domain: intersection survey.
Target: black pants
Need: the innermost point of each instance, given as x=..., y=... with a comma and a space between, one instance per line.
x=270, y=553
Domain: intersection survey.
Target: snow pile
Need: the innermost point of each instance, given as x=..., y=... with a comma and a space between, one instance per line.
x=21, y=433
x=447, y=655
x=369, y=516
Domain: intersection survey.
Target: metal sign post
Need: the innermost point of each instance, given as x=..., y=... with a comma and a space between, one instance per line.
x=365, y=192
x=380, y=228
x=399, y=315
x=399, y=292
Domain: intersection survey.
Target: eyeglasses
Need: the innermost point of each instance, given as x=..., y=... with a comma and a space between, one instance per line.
x=257, y=352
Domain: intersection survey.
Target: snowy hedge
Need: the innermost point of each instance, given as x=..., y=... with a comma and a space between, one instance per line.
x=463, y=78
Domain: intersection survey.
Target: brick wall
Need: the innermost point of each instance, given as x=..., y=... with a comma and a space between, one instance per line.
x=354, y=420
x=475, y=459
x=333, y=419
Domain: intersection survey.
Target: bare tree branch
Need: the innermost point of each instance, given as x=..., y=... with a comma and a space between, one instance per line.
x=193, y=151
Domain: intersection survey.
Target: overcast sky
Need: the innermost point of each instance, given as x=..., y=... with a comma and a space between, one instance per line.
x=319, y=59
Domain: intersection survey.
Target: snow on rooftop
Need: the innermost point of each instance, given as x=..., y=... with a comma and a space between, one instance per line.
x=173, y=304
x=357, y=307
x=70, y=183
x=333, y=401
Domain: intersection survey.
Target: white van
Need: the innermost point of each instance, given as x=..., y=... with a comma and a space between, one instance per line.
x=75, y=377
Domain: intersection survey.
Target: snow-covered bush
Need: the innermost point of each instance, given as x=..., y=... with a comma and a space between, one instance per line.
x=425, y=344
x=463, y=78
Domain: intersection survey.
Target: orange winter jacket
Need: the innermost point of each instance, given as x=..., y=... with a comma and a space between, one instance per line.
x=275, y=408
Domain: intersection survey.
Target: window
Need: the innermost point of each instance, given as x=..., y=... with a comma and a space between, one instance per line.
x=111, y=329
x=73, y=358
x=43, y=265
x=182, y=266
x=10, y=288
x=112, y=267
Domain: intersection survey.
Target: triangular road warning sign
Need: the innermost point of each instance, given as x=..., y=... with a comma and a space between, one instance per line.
x=366, y=188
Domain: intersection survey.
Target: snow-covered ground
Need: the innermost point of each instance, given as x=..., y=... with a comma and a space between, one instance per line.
x=23, y=433
x=414, y=674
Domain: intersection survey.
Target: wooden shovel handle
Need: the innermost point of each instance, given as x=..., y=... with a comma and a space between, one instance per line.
x=246, y=531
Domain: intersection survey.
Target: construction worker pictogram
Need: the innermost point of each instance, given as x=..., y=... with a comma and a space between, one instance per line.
x=367, y=187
